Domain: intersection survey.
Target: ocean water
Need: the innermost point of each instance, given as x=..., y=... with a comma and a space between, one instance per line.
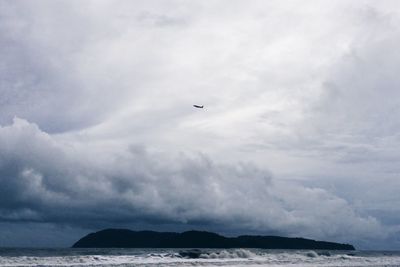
x=204, y=257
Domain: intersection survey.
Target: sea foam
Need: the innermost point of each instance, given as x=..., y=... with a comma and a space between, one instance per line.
x=207, y=258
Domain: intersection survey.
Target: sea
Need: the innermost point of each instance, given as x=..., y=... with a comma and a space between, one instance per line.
x=202, y=257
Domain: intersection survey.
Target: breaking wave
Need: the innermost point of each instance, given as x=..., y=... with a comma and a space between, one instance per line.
x=225, y=254
x=196, y=257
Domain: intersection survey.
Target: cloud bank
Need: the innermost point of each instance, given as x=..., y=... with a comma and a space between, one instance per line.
x=46, y=180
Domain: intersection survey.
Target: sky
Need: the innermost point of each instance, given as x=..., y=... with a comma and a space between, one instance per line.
x=299, y=135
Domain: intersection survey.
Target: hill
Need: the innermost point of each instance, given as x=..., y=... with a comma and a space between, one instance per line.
x=122, y=238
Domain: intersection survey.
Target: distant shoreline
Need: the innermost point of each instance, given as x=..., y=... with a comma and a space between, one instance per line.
x=123, y=238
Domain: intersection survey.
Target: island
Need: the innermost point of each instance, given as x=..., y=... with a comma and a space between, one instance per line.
x=123, y=238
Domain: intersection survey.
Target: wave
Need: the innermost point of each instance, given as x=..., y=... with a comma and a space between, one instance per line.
x=225, y=254
x=228, y=257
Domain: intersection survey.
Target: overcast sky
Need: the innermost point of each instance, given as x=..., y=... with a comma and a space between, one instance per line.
x=299, y=135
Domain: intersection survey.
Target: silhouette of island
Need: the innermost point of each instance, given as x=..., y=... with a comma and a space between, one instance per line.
x=122, y=238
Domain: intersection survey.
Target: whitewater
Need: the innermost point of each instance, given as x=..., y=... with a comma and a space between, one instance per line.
x=206, y=257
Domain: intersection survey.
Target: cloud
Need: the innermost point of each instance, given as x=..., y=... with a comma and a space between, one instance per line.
x=69, y=70
x=108, y=135
x=45, y=180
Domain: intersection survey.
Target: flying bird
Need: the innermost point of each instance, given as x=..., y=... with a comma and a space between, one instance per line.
x=197, y=106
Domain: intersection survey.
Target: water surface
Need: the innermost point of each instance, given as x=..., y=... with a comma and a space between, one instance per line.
x=207, y=257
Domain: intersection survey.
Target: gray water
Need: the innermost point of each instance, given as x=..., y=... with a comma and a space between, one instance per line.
x=207, y=257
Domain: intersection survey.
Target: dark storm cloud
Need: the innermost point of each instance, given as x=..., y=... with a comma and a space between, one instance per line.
x=45, y=180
